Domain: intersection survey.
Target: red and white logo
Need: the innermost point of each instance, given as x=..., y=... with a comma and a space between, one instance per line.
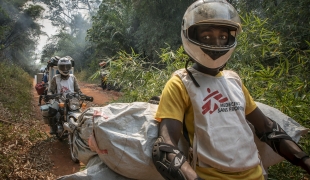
x=64, y=89
x=212, y=101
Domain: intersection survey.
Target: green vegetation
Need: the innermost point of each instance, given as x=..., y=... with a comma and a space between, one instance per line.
x=15, y=89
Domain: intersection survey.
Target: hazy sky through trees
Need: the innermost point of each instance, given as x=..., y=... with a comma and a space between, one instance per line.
x=51, y=30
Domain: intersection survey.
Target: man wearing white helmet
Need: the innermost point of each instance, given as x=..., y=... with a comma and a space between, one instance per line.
x=193, y=102
x=63, y=82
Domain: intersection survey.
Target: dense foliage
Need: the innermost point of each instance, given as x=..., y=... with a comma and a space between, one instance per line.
x=145, y=26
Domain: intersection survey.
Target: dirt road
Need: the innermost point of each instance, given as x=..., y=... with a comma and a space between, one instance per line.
x=59, y=151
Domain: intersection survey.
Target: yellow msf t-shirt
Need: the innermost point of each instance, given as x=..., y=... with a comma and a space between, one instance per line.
x=176, y=104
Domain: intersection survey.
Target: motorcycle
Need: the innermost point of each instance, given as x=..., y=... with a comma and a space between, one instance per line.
x=61, y=112
x=105, y=84
x=104, y=79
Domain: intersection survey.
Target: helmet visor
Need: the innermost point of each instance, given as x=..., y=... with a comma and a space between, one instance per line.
x=207, y=36
x=65, y=67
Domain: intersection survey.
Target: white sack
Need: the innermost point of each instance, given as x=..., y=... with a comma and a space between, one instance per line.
x=125, y=132
x=80, y=143
x=96, y=171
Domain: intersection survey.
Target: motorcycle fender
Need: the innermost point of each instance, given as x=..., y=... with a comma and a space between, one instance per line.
x=74, y=115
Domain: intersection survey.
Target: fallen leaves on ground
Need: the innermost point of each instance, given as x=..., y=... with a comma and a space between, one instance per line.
x=24, y=151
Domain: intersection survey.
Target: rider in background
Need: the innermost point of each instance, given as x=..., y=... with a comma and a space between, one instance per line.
x=64, y=82
x=211, y=107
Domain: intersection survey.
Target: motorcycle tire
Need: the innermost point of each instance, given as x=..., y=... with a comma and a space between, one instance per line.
x=61, y=135
x=103, y=85
x=109, y=86
x=71, y=139
x=118, y=88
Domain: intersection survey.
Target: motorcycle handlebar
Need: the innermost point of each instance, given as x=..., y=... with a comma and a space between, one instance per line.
x=89, y=98
x=48, y=97
x=53, y=96
x=82, y=96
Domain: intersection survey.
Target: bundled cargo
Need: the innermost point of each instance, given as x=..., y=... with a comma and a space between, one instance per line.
x=40, y=88
x=121, y=135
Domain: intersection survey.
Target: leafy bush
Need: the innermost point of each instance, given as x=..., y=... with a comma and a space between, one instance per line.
x=275, y=74
x=140, y=79
x=272, y=74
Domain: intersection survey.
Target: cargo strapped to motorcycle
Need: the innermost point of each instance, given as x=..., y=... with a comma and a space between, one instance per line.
x=129, y=130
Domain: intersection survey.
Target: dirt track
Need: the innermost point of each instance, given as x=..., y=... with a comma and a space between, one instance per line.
x=59, y=151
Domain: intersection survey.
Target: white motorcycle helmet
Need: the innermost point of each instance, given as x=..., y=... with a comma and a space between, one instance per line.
x=64, y=66
x=210, y=13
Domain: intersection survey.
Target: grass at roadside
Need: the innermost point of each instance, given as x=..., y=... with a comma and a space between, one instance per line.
x=84, y=77
x=15, y=88
x=20, y=137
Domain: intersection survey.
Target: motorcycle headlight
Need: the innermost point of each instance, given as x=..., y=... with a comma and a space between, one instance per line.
x=74, y=104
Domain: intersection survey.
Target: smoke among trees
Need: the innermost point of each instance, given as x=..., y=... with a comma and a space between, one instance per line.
x=93, y=30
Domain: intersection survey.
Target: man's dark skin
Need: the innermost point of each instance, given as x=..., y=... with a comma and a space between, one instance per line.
x=170, y=129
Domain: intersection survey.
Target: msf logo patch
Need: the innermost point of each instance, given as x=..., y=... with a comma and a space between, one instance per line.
x=64, y=89
x=212, y=101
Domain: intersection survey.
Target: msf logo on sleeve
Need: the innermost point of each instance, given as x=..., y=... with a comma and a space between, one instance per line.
x=212, y=101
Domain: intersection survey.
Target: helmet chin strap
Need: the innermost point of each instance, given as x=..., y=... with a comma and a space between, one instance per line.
x=191, y=75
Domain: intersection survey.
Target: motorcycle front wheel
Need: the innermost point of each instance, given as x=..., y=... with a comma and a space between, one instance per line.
x=104, y=85
x=71, y=139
